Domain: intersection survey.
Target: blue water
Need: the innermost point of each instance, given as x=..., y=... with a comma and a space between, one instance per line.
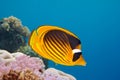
x=96, y=22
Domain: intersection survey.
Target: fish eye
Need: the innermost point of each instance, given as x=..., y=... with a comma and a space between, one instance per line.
x=76, y=56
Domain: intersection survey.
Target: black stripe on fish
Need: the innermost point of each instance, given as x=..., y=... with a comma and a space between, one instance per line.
x=56, y=49
x=57, y=42
x=66, y=38
x=76, y=56
x=63, y=38
x=47, y=50
x=54, y=45
x=58, y=36
x=51, y=37
x=60, y=44
x=52, y=52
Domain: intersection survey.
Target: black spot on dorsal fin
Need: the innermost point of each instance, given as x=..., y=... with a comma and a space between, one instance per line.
x=76, y=56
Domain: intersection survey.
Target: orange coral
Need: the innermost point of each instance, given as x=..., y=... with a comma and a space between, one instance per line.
x=21, y=75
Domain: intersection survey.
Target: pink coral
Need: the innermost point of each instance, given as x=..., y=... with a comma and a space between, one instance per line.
x=31, y=68
x=4, y=69
x=23, y=63
x=26, y=62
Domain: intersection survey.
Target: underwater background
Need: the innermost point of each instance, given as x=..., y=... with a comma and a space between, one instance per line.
x=95, y=22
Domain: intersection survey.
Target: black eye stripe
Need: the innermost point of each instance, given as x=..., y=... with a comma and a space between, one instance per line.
x=78, y=53
x=76, y=56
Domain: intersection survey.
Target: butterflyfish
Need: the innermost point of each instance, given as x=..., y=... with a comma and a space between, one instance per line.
x=57, y=44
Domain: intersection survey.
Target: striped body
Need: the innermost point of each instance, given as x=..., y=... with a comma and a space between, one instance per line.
x=57, y=44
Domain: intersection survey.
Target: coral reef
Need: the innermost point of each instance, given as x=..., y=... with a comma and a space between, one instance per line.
x=17, y=60
x=18, y=66
x=21, y=63
x=22, y=75
x=14, y=24
x=12, y=34
x=6, y=57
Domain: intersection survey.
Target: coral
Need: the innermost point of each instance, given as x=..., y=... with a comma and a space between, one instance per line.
x=17, y=60
x=22, y=63
x=6, y=57
x=12, y=34
x=24, y=67
x=4, y=69
x=17, y=54
x=12, y=75
x=21, y=75
x=13, y=23
x=53, y=74
x=28, y=51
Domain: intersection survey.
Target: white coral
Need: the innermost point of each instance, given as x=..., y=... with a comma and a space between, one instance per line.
x=53, y=74
x=17, y=54
x=6, y=57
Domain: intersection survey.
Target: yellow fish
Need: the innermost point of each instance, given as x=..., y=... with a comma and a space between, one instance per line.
x=58, y=45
